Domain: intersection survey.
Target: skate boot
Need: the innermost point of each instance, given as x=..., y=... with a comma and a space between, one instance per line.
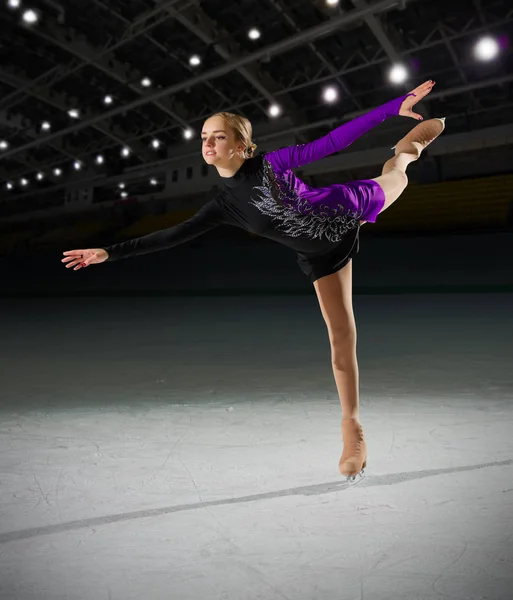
x=354, y=457
x=420, y=137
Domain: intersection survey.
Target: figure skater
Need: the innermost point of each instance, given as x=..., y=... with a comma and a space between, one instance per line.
x=262, y=195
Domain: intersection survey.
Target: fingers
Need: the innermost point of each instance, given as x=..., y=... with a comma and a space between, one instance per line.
x=425, y=88
x=75, y=259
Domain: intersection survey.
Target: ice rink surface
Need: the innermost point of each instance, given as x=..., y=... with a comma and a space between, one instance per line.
x=187, y=448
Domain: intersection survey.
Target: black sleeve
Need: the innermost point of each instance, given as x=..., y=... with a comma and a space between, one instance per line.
x=209, y=216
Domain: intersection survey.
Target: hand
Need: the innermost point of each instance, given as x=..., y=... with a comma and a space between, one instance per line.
x=84, y=258
x=420, y=92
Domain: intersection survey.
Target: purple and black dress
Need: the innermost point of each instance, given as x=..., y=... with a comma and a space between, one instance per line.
x=265, y=197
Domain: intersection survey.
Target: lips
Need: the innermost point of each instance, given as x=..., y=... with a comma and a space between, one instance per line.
x=210, y=153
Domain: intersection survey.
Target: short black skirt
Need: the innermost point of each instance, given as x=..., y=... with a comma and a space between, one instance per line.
x=320, y=265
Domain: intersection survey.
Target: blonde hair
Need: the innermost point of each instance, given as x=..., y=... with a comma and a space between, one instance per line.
x=243, y=131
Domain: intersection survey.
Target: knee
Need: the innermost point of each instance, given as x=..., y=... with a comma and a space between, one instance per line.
x=343, y=349
x=400, y=177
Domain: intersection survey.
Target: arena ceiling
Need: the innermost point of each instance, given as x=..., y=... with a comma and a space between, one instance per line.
x=126, y=67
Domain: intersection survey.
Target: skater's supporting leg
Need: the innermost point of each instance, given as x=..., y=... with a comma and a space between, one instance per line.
x=334, y=293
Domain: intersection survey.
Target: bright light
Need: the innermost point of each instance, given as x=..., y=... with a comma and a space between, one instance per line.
x=4, y=145
x=398, y=74
x=274, y=110
x=57, y=172
x=40, y=176
x=121, y=186
x=153, y=182
x=24, y=181
x=194, y=60
x=486, y=49
x=330, y=94
x=77, y=165
x=45, y=126
x=99, y=159
x=187, y=134
x=108, y=99
x=155, y=144
x=74, y=113
x=30, y=16
x=146, y=82
x=9, y=186
x=253, y=34
x=332, y=2
x=14, y=3
x=124, y=194
x=125, y=152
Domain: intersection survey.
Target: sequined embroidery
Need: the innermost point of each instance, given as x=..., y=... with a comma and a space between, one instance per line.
x=296, y=216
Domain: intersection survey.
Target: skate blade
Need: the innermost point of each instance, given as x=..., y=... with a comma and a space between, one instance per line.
x=353, y=479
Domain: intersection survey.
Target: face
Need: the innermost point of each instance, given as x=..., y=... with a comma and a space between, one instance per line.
x=219, y=144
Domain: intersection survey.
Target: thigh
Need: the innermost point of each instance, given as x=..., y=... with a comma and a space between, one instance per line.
x=335, y=296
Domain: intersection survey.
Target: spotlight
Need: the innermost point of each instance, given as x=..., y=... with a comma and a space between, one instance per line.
x=40, y=176
x=30, y=16
x=125, y=151
x=153, y=181
x=330, y=94
x=4, y=145
x=57, y=172
x=9, y=185
x=187, y=134
x=74, y=113
x=146, y=82
x=253, y=34
x=99, y=159
x=13, y=3
x=108, y=99
x=194, y=60
x=124, y=194
x=24, y=181
x=155, y=144
x=398, y=74
x=274, y=110
x=486, y=49
x=332, y=2
x=77, y=165
x=121, y=186
x=45, y=126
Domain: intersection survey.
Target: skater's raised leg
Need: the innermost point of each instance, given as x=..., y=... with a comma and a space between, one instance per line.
x=393, y=179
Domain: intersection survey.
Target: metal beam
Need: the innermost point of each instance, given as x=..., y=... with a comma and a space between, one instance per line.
x=64, y=102
x=209, y=31
x=76, y=44
x=167, y=51
x=22, y=124
x=379, y=33
x=313, y=33
x=320, y=55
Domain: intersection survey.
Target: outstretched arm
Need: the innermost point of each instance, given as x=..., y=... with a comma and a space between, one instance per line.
x=338, y=139
x=208, y=217
x=341, y=137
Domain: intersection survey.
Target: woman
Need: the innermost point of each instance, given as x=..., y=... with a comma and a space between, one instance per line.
x=261, y=194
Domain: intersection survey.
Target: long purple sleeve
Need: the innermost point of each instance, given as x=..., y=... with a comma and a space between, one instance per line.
x=338, y=139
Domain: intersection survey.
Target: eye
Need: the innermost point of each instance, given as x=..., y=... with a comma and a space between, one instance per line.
x=221, y=137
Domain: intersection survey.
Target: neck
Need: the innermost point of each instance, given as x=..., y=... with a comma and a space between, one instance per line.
x=231, y=168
